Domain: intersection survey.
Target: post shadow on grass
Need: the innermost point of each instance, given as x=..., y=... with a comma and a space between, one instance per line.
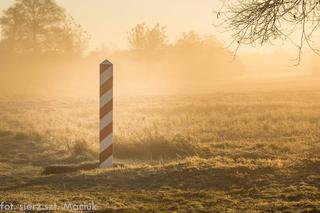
x=60, y=169
x=193, y=178
x=181, y=175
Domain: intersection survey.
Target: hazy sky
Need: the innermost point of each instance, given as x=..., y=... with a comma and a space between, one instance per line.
x=108, y=21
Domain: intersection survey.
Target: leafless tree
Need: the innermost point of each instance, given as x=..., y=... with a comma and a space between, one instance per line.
x=263, y=21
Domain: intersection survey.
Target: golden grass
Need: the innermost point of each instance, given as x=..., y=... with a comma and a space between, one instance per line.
x=225, y=151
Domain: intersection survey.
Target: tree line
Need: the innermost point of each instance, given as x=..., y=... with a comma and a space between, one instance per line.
x=41, y=44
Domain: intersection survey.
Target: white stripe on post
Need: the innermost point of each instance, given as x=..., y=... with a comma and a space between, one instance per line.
x=106, y=98
x=106, y=118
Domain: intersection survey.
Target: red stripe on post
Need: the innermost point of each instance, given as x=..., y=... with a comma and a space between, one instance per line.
x=106, y=131
x=106, y=109
x=106, y=153
x=104, y=67
x=106, y=86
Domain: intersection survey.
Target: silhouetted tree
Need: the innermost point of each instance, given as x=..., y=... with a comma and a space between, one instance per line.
x=205, y=56
x=189, y=40
x=142, y=37
x=40, y=27
x=261, y=21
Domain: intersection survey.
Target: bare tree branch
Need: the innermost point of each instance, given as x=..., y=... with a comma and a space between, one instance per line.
x=262, y=21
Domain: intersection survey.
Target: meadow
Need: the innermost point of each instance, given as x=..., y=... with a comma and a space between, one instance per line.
x=244, y=150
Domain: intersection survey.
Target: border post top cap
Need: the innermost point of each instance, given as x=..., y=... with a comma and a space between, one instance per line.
x=106, y=62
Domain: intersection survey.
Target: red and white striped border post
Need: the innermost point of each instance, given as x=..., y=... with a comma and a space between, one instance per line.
x=106, y=107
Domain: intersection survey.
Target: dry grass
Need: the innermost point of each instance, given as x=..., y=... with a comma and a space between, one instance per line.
x=231, y=151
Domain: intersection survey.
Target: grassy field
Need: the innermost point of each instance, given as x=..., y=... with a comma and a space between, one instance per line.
x=240, y=151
